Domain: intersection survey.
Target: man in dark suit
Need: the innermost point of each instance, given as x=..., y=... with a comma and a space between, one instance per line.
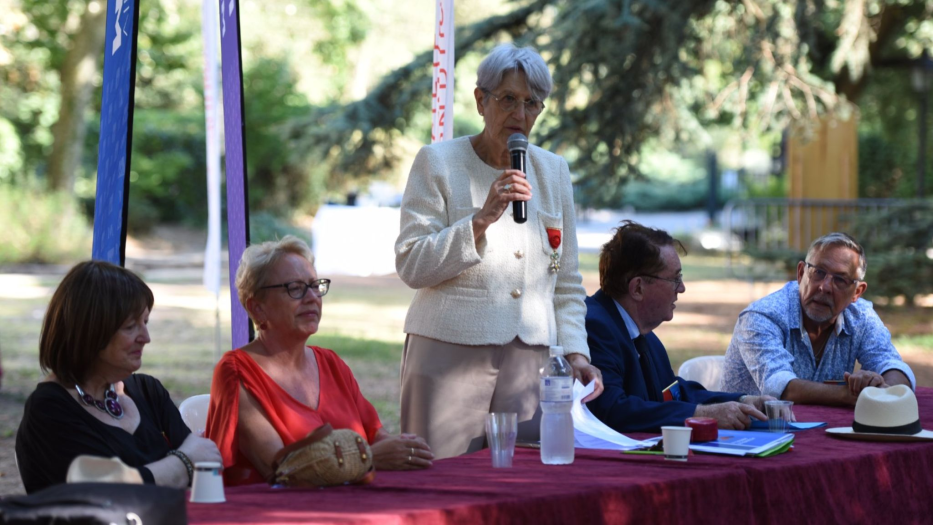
x=640, y=278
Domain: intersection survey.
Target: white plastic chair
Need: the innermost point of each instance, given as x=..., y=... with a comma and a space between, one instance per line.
x=194, y=412
x=706, y=370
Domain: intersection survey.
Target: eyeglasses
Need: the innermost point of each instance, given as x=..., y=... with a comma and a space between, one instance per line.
x=298, y=289
x=509, y=102
x=677, y=282
x=817, y=274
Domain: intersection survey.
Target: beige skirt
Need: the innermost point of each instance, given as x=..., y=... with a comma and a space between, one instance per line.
x=447, y=390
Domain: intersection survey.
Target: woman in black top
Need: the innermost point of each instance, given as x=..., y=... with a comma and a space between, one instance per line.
x=91, y=402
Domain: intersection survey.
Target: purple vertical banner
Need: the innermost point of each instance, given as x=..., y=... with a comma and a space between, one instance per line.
x=234, y=138
x=116, y=132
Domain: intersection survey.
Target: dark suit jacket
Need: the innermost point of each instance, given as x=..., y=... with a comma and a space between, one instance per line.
x=625, y=404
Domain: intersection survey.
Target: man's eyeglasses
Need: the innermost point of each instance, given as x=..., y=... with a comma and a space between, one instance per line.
x=817, y=274
x=298, y=289
x=677, y=282
x=509, y=102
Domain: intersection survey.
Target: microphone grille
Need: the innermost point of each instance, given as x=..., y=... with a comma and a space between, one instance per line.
x=517, y=141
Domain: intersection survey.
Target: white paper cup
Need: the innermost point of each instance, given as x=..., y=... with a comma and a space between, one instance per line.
x=501, y=431
x=208, y=484
x=676, y=442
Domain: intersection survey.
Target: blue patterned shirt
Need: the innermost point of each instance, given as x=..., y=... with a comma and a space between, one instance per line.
x=769, y=347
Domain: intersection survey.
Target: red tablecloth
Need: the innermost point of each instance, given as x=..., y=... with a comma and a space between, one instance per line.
x=823, y=480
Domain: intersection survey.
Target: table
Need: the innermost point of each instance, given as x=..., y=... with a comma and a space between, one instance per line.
x=823, y=479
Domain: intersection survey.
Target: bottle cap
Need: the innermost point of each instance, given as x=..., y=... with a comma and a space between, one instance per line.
x=556, y=350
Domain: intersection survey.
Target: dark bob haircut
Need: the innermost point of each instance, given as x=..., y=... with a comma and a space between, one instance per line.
x=90, y=305
x=634, y=250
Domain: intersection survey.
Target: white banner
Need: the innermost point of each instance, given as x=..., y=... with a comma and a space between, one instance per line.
x=442, y=92
x=212, y=251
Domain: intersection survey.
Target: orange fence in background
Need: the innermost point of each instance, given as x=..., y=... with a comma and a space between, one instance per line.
x=822, y=163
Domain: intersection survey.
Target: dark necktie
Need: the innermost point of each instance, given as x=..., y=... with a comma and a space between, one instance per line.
x=647, y=371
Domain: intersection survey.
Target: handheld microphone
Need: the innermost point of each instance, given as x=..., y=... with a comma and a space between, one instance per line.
x=518, y=145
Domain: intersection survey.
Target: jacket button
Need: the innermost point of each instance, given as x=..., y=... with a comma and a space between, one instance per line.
x=519, y=254
x=516, y=293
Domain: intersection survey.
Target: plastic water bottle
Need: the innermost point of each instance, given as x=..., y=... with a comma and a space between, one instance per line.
x=556, y=402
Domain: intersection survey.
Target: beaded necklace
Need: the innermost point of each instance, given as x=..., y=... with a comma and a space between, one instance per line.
x=110, y=405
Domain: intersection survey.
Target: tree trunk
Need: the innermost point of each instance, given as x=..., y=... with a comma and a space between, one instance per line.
x=77, y=75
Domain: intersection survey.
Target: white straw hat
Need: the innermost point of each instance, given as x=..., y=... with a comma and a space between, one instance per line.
x=885, y=414
x=102, y=470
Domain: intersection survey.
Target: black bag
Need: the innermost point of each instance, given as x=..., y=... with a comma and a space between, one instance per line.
x=97, y=503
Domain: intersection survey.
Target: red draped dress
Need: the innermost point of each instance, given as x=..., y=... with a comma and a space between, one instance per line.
x=340, y=403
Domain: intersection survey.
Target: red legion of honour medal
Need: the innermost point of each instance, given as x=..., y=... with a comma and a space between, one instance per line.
x=553, y=238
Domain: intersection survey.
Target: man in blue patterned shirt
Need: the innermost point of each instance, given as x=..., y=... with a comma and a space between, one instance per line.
x=801, y=342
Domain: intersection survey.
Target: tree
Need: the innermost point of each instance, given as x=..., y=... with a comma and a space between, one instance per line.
x=627, y=70
x=75, y=52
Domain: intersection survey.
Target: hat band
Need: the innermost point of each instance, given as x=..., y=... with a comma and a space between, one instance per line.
x=908, y=429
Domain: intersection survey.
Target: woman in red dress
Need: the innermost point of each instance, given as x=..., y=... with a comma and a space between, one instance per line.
x=277, y=389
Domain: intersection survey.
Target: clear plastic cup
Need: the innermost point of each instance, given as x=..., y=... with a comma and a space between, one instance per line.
x=501, y=431
x=779, y=414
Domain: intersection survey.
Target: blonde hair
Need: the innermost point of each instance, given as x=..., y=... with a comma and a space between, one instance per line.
x=253, y=272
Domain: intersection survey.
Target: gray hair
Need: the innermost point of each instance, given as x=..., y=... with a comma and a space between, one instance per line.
x=258, y=259
x=841, y=239
x=506, y=57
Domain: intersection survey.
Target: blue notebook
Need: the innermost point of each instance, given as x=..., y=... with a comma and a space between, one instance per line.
x=746, y=443
x=791, y=426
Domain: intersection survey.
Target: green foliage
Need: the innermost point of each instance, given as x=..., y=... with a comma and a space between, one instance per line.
x=11, y=157
x=41, y=227
x=170, y=62
x=346, y=25
x=278, y=180
x=48, y=26
x=28, y=101
x=168, y=169
x=357, y=140
x=773, y=187
x=888, y=140
x=659, y=195
x=628, y=70
x=899, y=247
x=265, y=226
x=879, y=166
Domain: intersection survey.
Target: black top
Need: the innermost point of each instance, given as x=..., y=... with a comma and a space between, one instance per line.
x=56, y=429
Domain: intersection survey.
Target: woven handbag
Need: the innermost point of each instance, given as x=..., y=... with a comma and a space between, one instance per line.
x=324, y=458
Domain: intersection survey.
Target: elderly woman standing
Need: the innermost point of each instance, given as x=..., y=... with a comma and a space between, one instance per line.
x=493, y=295
x=92, y=402
x=277, y=389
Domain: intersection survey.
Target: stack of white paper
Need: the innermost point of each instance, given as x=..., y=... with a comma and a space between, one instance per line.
x=590, y=432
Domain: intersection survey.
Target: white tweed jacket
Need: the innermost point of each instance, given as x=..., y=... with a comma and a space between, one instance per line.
x=490, y=292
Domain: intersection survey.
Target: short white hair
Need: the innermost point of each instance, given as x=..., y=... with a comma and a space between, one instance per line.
x=253, y=272
x=841, y=239
x=507, y=57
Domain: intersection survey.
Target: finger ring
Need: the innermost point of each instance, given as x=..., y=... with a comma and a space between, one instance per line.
x=412, y=451
x=409, y=459
x=507, y=187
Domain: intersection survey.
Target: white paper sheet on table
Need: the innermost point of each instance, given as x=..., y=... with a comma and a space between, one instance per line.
x=590, y=432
